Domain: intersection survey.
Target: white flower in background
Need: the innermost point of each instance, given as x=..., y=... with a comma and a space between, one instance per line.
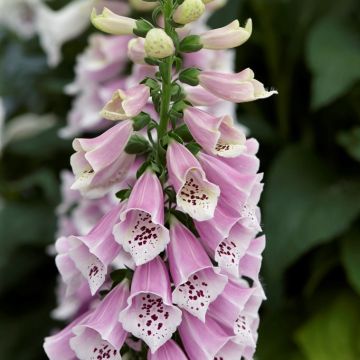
x=30, y=17
x=19, y=16
x=57, y=27
x=24, y=126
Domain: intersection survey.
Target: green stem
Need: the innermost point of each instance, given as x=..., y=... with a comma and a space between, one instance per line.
x=166, y=72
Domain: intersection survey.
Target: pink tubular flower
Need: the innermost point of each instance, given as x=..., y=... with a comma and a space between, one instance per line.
x=141, y=231
x=235, y=187
x=229, y=310
x=250, y=263
x=76, y=291
x=207, y=341
x=198, y=96
x=150, y=315
x=93, y=253
x=195, y=195
x=126, y=104
x=57, y=346
x=101, y=162
x=169, y=351
x=197, y=282
x=227, y=37
x=101, y=335
x=216, y=135
x=238, y=88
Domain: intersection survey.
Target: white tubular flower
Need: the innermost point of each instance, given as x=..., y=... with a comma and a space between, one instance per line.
x=227, y=37
x=189, y=11
x=112, y=23
x=158, y=44
x=141, y=5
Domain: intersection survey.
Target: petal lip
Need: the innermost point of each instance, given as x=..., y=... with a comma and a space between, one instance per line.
x=212, y=188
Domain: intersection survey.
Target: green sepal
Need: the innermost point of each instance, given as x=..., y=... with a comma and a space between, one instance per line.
x=176, y=137
x=190, y=44
x=152, y=61
x=193, y=147
x=184, y=132
x=190, y=76
x=140, y=121
x=137, y=145
x=142, y=27
x=123, y=194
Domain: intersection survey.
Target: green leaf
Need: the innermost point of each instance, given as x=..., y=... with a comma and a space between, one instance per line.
x=304, y=206
x=333, y=332
x=333, y=55
x=350, y=254
x=137, y=145
x=350, y=140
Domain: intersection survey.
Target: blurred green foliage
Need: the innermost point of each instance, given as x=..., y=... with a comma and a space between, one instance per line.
x=310, y=151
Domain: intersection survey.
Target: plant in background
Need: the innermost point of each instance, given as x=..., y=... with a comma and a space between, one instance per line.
x=172, y=268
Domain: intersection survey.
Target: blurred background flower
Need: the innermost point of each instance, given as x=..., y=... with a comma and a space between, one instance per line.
x=54, y=78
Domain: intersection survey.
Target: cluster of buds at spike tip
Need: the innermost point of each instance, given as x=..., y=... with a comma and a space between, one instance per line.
x=177, y=251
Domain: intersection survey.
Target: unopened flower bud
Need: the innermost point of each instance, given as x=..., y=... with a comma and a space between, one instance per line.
x=158, y=44
x=112, y=23
x=189, y=11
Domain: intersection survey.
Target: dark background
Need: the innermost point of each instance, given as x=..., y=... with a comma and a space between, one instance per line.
x=310, y=150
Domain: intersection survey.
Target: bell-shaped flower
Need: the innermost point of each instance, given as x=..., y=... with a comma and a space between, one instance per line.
x=126, y=104
x=229, y=310
x=136, y=50
x=102, y=162
x=150, y=314
x=197, y=282
x=195, y=195
x=112, y=23
x=247, y=162
x=169, y=351
x=158, y=44
x=188, y=11
x=57, y=347
x=227, y=37
x=92, y=254
x=70, y=274
x=250, y=214
x=213, y=231
x=250, y=263
x=101, y=335
x=235, y=187
x=207, y=341
x=216, y=135
x=141, y=231
x=238, y=88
